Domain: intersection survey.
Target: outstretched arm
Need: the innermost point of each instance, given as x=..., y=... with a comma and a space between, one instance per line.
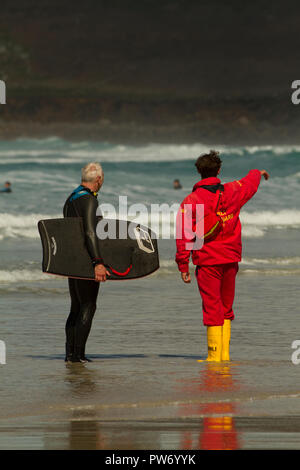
x=248, y=185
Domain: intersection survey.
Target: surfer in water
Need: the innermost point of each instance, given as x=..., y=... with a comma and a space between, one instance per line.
x=83, y=203
x=217, y=260
x=176, y=184
x=7, y=188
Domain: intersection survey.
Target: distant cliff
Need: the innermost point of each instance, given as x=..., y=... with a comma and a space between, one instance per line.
x=200, y=66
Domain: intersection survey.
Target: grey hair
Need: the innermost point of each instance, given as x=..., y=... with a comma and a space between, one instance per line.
x=90, y=172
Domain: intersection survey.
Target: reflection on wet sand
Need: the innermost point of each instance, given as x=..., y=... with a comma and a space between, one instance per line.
x=80, y=380
x=217, y=429
x=95, y=435
x=87, y=431
x=203, y=417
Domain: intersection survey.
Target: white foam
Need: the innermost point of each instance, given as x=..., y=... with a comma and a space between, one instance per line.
x=19, y=233
x=275, y=149
x=67, y=152
x=272, y=272
x=286, y=217
x=38, y=140
x=24, y=226
x=28, y=220
x=275, y=261
x=23, y=275
x=252, y=232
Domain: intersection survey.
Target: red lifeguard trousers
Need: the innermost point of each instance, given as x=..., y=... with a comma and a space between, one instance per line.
x=217, y=287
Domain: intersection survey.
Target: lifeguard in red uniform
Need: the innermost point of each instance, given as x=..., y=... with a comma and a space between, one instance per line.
x=217, y=260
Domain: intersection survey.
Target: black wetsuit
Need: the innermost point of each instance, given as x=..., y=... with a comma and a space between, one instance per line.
x=82, y=203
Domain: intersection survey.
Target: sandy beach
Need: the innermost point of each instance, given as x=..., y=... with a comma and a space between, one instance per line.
x=145, y=388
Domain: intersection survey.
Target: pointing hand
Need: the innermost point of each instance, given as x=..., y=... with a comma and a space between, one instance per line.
x=265, y=174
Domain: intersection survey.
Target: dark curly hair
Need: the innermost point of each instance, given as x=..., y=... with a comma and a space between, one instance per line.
x=208, y=164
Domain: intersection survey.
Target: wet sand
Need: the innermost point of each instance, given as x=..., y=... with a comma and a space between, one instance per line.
x=218, y=433
x=145, y=388
x=199, y=423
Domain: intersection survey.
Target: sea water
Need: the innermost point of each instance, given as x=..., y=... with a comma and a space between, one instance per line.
x=147, y=334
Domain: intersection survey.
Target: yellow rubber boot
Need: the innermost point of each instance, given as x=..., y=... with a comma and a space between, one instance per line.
x=226, y=340
x=214, y=343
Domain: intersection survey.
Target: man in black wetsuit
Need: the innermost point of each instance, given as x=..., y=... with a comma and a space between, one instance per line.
x=83, y=203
